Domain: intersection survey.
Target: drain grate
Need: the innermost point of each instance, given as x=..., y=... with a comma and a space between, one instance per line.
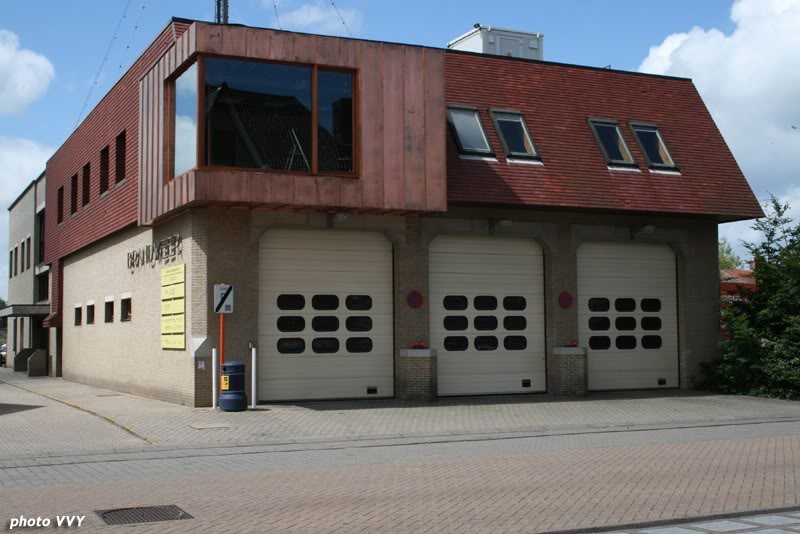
x=142, y=514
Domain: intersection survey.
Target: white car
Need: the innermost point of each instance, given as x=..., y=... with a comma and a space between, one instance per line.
x=3, y=353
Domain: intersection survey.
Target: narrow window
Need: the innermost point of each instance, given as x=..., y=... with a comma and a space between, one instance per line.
x=90, y=314
x=465, y=124
x=335, y=116
x=611, y=143
x=120, y=156
x=86, y=185
x=109, y=312
x=60, y=204
x=126, y=309
x=185, y=122
x=11, y=263
x=514, y=134
x=78, y=315
x=73, y=195
x=28, y=252
x=43, y=287
x=104, y=170
x=22, y=262
x=16, y=260
x=652, y=145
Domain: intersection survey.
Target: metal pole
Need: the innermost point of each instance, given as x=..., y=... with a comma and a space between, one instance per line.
x=253, y=377
x=214, y=375
x=221, y=338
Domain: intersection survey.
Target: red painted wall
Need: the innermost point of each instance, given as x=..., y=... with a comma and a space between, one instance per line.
x=117, y=208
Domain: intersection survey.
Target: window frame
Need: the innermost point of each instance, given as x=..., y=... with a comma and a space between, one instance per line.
x=86, y=185
x=78, y=315
x=105, y=160
x=509, y=154
x=73, y=195
x=60, y=205
x=120, y=157
x=90, y=318
x=612, y=162
x=108, y=318
x=125, y=309
x=633, y=125
x=201, y=160
x=489, y=153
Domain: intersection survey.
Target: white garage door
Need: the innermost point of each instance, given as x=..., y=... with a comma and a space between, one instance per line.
x=325, y=315
x=487, y=314
x=628, y=315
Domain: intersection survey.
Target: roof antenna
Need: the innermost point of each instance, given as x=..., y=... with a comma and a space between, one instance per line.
x=221, y=11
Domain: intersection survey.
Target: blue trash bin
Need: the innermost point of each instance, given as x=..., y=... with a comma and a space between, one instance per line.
x=233, y=397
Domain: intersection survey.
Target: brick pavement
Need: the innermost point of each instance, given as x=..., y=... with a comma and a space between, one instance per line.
x=517, y=485
x=168, y=424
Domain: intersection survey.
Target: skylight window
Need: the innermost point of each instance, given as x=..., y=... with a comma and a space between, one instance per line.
x=514, y=134
x=467, y=129
x=611, y=143
x=652, y=145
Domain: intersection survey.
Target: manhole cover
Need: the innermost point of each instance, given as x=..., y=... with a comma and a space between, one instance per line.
x=142, y=514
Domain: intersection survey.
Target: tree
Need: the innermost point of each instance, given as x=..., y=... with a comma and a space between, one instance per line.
x=727, y=257
x=762, y=356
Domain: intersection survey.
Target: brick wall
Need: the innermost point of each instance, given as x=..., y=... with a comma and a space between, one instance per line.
x=127, y=356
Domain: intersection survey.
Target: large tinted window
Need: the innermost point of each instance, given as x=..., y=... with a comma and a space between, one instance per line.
x=185, y=122
x=335, y=97
x=258, y=115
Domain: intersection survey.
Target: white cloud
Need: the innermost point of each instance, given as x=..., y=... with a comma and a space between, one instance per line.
x=21, y=161
x=750, y=81
x=317, y=17
x=24, y=74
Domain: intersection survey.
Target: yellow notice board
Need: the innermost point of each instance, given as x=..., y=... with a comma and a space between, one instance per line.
x=173, y=307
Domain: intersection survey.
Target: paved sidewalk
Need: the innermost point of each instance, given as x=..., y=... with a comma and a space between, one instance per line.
x=769, y=523
x=165, y=424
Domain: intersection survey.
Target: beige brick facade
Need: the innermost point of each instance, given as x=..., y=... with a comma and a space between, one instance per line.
x=221, y=246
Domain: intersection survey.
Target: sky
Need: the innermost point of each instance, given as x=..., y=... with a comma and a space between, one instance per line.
x=741, y=54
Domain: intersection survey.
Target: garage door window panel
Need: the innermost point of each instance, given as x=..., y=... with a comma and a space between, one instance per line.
x=515, y=322
x=358, y=324
x=483, y=343
x=599, y=304
x=291, y=345
x=291, y=323
x=599, y=342
x=625, y=305
x=325, y=323
x=485, y=322
x=515, y=343
x=291, y=302
x=651, y=342
x=455, y=303
x=456, y=343
x=485, y=303
x=599, y=323
x=358, y=302
x=626, y=342
x=651, y=323
x=455, y=322
x=514, y=303
x=325, y=345
x=651, y=305
x=358, y=345
x=325, y=302
x=625, y=323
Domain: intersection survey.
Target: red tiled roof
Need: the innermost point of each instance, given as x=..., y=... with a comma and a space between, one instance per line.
x=737, y=276
x=557, y=101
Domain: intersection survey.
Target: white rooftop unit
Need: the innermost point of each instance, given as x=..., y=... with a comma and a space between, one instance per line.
x=500, y=42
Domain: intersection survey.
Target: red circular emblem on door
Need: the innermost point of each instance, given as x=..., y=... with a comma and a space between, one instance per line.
x=565, y=300
x=415, y=299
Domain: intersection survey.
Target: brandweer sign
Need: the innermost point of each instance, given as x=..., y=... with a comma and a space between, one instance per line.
x=158, y=251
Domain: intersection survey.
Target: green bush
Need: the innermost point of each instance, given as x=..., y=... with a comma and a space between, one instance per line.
x=762, y=355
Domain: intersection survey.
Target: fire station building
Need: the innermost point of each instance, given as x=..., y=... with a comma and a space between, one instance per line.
x=396, y=220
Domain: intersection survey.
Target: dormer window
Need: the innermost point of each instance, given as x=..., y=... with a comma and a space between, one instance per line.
x=465, y=123
x=652, y=145
x=514, y=135
x=611, y=143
